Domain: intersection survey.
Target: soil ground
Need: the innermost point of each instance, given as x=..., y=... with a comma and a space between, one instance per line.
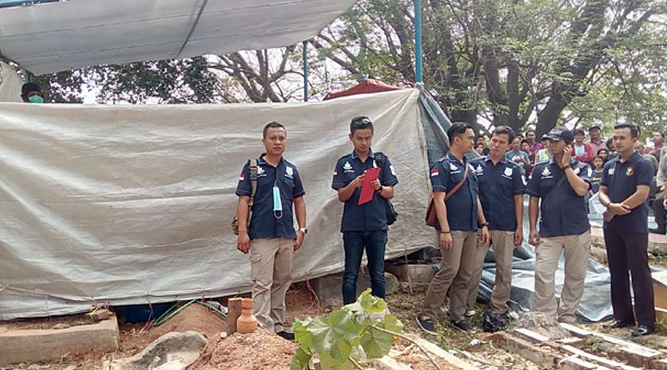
x=301, y=303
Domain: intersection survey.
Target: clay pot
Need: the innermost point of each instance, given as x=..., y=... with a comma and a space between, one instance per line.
x=247, y=322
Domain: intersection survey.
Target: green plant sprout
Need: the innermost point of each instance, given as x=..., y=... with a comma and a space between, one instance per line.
x=356, y=334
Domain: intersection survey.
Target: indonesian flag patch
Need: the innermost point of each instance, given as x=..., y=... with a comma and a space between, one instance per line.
x=435, y=173
x=335, y=172
x=242, y=177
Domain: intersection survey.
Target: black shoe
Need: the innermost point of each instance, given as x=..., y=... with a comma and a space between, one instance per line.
x=286, y=335
x=657, y=230
x=617, y=324
x=461, y=325
x=641, y=330
x=427, y=325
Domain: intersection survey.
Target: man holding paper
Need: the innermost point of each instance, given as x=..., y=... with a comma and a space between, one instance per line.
x=365, y=182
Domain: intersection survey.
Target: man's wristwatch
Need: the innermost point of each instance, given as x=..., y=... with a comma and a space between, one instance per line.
x=484, y=224
x=304, y=230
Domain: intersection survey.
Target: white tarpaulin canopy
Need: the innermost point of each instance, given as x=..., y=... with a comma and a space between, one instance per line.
x=132, y=204
x=52, y=37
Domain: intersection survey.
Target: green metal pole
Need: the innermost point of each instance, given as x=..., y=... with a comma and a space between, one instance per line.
x=305, y=71
x=418, y=43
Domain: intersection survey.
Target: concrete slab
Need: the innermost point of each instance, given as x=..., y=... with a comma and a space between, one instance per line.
x=48, y=344
x=527, y=350
x=575, y=363
x=329, y=288
x=388, y=363
x=659, y=364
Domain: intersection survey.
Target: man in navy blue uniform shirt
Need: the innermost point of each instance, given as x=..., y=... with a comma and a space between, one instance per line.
x=624, y=189
x=363, y=226
x=270, y=238
x=561, y=184
x=459, y=215
x=501, y=187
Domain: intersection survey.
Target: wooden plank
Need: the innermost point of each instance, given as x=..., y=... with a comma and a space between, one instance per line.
x=575, y=330
x=597, y=359
x=448, y=357
x=531, y=335
x=233, y=313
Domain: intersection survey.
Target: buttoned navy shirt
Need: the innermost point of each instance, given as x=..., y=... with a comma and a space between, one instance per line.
x=265, y=223
x=498, y=184
x=446, y=173
x=370, y=216
x=621, y=180
x=563, y=212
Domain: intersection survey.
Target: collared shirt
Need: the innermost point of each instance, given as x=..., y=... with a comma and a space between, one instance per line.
x=563, y=212
x=621, y=180
x=265, y=223
x=498, y=184
x=370, y=216
x=597, y=146
x=446, y=173
x=536, y=147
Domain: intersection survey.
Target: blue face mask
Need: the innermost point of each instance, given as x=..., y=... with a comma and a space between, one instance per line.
x=35, y=99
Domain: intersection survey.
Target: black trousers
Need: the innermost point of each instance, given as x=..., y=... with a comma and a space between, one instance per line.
x=628, y=252
x=659, y=211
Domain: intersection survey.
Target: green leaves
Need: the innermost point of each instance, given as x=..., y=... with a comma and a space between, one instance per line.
x=337, y=338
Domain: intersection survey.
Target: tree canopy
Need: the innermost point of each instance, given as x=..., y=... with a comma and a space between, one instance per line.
x=487, y=62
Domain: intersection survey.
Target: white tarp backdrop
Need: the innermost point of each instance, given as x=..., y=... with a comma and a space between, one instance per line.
x=52, y=37
x=10, y=84
x=126, y=204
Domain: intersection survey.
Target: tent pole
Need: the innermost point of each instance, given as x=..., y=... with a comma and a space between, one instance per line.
x=418, y=43
x=305, y=71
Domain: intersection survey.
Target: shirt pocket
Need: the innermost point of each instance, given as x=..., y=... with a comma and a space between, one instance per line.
x=546, y=185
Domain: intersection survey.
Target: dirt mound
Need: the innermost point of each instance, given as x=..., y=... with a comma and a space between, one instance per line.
x=195, y=317
x=259, y=350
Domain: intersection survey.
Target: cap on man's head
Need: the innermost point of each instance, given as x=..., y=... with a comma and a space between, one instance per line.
x=579, y=131
x=29, y=87
x=559, y=133
x=594, y=127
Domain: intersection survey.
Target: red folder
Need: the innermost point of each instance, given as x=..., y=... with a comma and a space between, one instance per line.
x=367, y=189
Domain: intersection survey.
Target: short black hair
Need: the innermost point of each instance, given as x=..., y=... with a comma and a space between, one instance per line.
x=661, y=134
x=360, y=123
x=505, y=130
x=609, y=142
x=478, y=144
x=529, y=130
x=525, y=141
x=634, y=130
x=601, y=149
x=598, y=156
x=29, y=87
x=273, y=124
x=457, y=129
x=578, y=131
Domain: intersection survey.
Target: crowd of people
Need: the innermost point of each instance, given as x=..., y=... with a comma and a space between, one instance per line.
x=596, y=151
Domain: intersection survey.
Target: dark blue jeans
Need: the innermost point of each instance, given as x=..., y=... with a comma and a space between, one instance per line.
x=374, y=242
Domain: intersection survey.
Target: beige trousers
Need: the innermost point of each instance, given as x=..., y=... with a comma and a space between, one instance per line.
x=576, y=249
x=503, y=249
x=271, y=273
x=456, y=269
